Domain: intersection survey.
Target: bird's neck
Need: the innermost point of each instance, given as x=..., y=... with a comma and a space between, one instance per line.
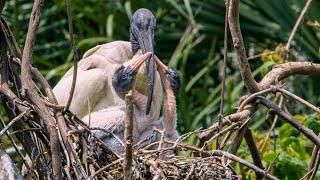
x=169, y=110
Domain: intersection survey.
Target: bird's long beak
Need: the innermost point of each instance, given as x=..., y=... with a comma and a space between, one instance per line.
x=137, y=61
x=169, y=108
x=146, y=44
x=162, y=69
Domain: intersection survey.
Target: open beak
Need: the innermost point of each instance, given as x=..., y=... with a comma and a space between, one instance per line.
x=170, y=78
x=146, y=44
x=162, y=69
x=137, y=61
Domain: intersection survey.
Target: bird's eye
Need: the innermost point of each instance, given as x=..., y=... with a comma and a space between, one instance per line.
x=124, y=76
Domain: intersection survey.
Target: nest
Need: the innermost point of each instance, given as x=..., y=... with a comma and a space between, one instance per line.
x=148, y=166
x=159, y=160
x=152, y=165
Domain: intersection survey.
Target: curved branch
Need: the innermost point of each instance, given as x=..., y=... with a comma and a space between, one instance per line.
x=238, y=44
x=288, y=69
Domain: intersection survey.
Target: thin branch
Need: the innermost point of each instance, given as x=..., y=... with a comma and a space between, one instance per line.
x=258, y=170
x=105, y=168
x=260, y=55
x=313, y=159
x=298, y=22
x=273, y=125
x=254, y=151
x=315, y=167
x=14, y=121
x=238, y=44
x=128, y=137
x=228, y=129
x=238, y=116
x=75, y=54
x=21, y=156
x=225, y=59
x=289, y=119
x=298, y=99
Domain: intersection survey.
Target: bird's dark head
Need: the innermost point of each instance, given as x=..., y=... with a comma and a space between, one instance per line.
x=123, y=77
x=170, y=77
x=174, y=79
x=142, y=27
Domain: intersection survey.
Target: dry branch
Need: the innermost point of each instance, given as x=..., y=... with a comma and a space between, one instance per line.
x=298, y=22
x=288, y=118
x=75, y=54
x=128, y=137
x=238, y=44
x=29, y=89
x=225, y=60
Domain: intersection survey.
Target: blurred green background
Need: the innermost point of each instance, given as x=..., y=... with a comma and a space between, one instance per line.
x=189, y=37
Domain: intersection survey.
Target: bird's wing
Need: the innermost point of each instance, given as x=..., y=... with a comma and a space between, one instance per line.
x=110, y=119
x=102, y=56
x=91, y=51
x=91, y=87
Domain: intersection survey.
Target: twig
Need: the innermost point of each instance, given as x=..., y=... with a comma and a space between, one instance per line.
x=13, y=121
x=75, y=55
x=190, y=172
x=243, y=162
x=21, y=156
x=228, y=129
x=105, y=167
x=128, y=137
x=254, y=151
x=288, y=118
x=253, y=96
x=275, y=119
x=271, y=164
x=314, y=156
x=260, y=55
x=225, y=59
x=298, y=99
x=52, y=105
x=238, y=116
x=308, y=174
x=295, y=28
x=315, y=166
x=23, y=130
